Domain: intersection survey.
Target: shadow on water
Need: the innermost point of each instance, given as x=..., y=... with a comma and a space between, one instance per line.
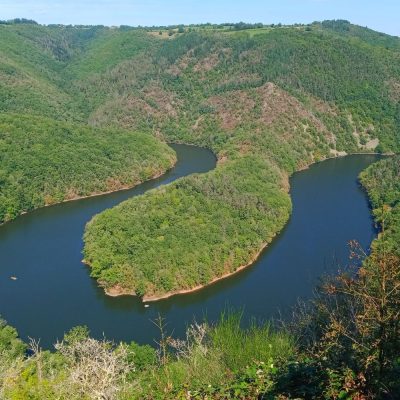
x=54, y=291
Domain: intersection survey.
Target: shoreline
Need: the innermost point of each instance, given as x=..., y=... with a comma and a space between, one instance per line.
x=152, y=299
x=160, y=174
x=334, y=156
x=96, y=194
x=120, y=189
x=118, y=291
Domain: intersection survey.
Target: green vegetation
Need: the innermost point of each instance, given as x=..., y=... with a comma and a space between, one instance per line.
x=43, y=162
x=169, y=254
x=84, y=368
x=382, y=182
x=268, y=100
x=109, y=49
x=273, y=98
x=28, y=72
x=278, y=100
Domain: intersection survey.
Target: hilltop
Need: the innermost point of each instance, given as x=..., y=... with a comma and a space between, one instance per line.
x=268, y=103
x=268, y=100
x=87, y=109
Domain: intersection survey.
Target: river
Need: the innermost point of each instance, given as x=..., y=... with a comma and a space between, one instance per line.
x=53, y=291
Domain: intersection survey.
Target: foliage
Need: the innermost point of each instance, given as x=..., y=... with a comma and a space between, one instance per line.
x=43, y=162
x=197, y=367
x=382, y=182
x=142, y=357
x=10, y=344
x=221, y=234
x=109, y=49
x=268, y=100
x=352, y=329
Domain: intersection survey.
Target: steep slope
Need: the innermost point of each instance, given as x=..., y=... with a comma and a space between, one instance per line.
x=43, y=162
x=268, y=105
x=108, y=48
x=359, y=79
x=268, y=101
x=382, y=182
x=31, y=61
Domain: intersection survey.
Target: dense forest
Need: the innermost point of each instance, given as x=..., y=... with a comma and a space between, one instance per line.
x=43, y=162
x=382, y=182
x=263, y=98
x=221, y=233
x=279, y=99
x=343, y=344
x=269, y=101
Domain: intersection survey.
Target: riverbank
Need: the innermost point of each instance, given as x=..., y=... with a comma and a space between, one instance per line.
x=118, y=290
x=49, y=162
x=150, y=299
x=51, y=261
x=118, y=189
x=122, y=188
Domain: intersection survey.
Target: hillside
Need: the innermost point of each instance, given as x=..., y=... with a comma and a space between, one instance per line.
x=31, y=70
x=382, y=182
x=84, y=110
x=43, y=162
x=274, y=101
x=268, y=100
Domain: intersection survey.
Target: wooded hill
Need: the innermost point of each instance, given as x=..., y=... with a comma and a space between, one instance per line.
x=273, y=101
x=268, y=101
x=43, y=162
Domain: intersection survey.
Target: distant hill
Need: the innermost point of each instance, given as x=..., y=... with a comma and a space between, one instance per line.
x=268, y=100
x=86, y=109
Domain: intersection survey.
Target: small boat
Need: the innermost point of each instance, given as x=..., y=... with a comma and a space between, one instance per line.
x=13, y=278
x=146, y=306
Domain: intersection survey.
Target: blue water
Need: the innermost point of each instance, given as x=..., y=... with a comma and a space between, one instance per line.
x=54, y=292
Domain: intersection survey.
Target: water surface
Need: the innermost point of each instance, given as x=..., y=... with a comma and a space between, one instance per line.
x=54, y=292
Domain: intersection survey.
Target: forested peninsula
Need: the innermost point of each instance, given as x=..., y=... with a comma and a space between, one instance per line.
x=268, y=100
x=342, y=344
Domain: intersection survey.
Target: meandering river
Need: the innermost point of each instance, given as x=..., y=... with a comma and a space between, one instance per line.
x=53, y=291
